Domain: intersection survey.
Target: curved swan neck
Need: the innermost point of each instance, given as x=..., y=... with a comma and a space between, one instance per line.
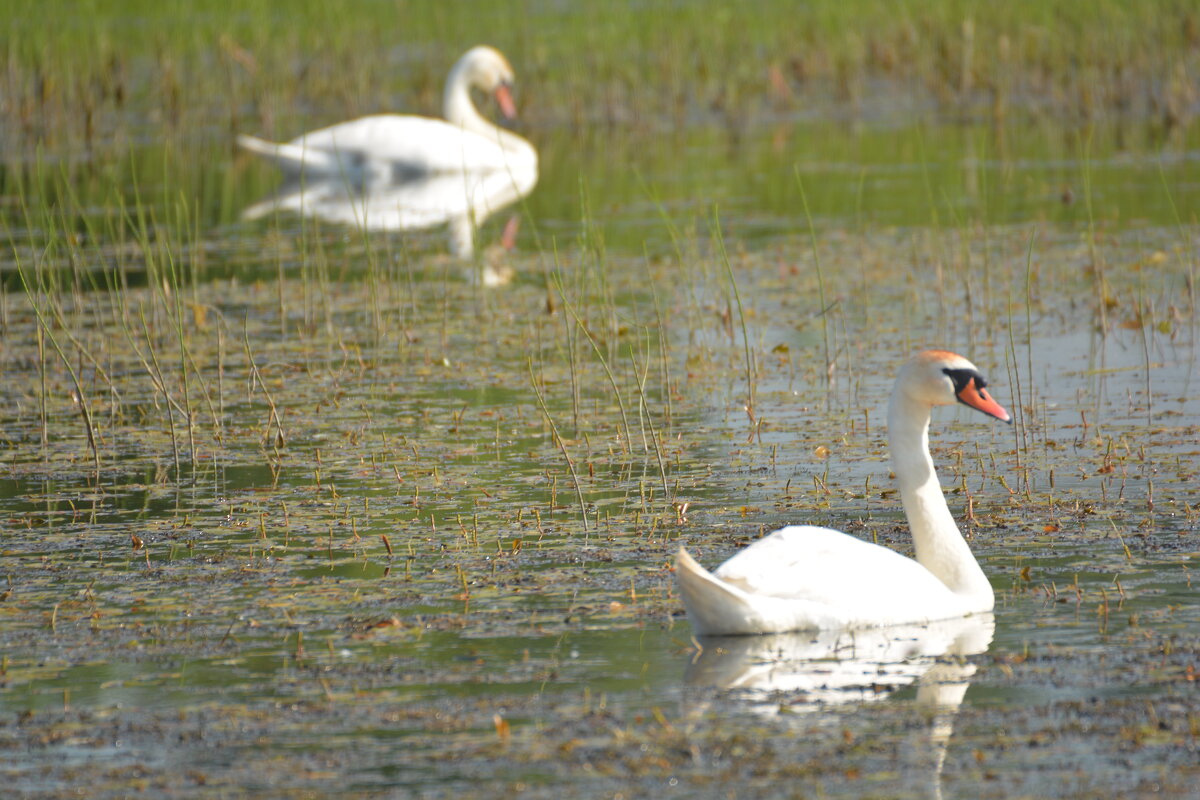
x=456, y=102
x=940, y=547
x=459, y=110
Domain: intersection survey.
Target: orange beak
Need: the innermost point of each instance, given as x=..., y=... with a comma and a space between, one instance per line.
x=980, y=400
x=504, y=98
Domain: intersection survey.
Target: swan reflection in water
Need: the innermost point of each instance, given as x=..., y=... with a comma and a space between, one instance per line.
x=408, y=201
x=806, y=671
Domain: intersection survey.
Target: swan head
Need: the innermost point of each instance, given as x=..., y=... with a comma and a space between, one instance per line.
x=486, y=68
x=942, y=378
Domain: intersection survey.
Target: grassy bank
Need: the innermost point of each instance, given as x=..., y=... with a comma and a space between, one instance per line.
x=82, y=75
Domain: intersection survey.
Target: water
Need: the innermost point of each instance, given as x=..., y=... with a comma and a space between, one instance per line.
x=385, y=585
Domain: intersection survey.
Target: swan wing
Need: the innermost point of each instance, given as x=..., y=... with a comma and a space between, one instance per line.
x=418, y=143
x=804, y=578
x=828, y=567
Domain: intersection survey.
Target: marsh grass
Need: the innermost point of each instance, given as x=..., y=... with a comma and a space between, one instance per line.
x=747, y=345
x=232, y=66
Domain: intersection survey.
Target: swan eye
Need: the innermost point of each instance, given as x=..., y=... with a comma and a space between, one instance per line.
x=963, y=377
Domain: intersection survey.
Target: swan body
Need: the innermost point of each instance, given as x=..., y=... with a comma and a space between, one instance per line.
x=803, y=577
x=395, y=146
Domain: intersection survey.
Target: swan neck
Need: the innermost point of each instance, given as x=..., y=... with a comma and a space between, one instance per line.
x=457, y=105
x=940, y=547
x=461, y=112
x=908, y=439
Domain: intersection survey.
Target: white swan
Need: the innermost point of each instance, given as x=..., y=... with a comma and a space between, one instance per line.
x=395, y=146
x=802, y=577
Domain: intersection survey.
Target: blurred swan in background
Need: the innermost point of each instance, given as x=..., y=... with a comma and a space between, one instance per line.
x=399, y=146
x=392, y=172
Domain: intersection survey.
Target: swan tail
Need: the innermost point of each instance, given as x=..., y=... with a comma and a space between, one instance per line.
x=259, y=146
x=290, y=157
x=716, y=607
x=713, y=606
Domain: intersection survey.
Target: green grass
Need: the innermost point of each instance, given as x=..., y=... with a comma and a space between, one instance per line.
x=76, y=70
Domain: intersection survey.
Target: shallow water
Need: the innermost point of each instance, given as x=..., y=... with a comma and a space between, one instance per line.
x=220, y=611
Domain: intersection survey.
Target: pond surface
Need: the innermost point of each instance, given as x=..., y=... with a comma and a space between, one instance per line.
x=354, y=524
